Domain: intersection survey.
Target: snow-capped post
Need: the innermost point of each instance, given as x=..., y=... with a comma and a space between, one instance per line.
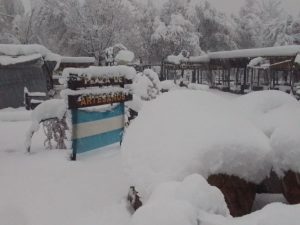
x=93, y=128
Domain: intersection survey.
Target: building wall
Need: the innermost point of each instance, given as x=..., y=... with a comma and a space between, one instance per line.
x=13, y=79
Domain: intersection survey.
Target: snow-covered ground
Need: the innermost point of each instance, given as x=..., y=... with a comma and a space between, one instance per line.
x=46, y=188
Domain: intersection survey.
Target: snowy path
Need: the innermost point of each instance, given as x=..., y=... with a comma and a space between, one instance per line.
x=46, y=188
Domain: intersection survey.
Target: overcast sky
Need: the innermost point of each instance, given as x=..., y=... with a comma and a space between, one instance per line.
x=232, y=6
x=227, y=6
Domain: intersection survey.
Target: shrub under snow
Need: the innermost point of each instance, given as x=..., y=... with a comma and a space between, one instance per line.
x=146, y=85
x=185, y=132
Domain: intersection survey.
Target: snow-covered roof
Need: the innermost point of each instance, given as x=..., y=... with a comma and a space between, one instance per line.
x=26, y=50
x=67, y=59
x=9, y=60
x=290, y=50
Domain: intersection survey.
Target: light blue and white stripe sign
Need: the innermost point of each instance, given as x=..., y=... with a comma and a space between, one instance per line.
x=93, y=130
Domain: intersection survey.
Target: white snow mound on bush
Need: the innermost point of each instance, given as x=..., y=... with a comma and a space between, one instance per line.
x=186, y=132
x=267, y=109
x=195, y=190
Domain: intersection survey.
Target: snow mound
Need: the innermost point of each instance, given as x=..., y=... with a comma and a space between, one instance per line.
x=267, y=109
x=273, y=214
x=186, y=132
x=146, y=85
x=165, y=213
x=168, y=85
x=195, y=190
x=200, y=87
x=180, y=203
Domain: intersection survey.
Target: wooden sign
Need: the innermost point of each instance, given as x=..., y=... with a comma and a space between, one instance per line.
x=75, y=82
x=83, y=101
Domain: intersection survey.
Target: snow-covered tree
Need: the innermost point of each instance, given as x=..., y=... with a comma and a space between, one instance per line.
x=174, y=37
x=9, y=11
x=296, y=30
x=249, y=25
x=214, y=28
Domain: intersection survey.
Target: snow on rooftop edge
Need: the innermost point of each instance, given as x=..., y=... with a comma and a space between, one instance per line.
x=68, y=59
x=290, y=50
x=9, y=60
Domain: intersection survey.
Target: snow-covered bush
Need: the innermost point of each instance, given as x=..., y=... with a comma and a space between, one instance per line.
x=268, y=109
x=168, y=85
x=146, y=85
x=52, y=114
x=185, y=132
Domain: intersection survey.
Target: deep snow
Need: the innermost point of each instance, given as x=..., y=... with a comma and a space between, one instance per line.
x=44, y=187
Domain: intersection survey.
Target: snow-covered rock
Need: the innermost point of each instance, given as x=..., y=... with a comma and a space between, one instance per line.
x=185, y=132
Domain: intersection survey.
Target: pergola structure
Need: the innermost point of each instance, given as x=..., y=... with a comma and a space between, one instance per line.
x=240, y=71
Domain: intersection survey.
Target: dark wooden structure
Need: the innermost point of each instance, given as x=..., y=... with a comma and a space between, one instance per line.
x=240, y=71
x=34, y=74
